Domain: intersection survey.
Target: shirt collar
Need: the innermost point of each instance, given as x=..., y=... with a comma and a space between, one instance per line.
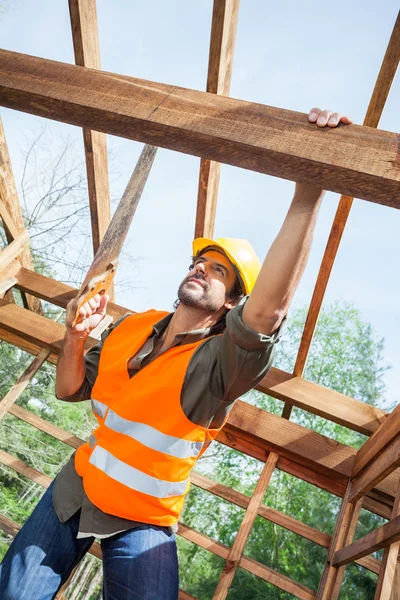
x=186, y=337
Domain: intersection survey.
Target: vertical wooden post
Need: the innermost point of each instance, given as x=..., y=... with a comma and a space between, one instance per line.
x=385, y=589
x=85, y=36
x=222, y=44
x=15, y=224
x=332, y=577
x=236, y=551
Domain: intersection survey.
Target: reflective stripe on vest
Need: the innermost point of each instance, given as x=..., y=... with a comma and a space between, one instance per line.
x=152, y=438
x=134, y=479
x=98, y=408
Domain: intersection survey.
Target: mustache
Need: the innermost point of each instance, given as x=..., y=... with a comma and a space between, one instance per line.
x=199, y=276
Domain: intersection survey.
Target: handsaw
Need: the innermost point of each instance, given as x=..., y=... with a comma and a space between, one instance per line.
x=102, y=270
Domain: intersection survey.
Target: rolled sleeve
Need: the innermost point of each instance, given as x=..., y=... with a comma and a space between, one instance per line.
x=244, y=336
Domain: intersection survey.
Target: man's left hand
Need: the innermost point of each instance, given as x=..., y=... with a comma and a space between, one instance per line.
x=328, y=118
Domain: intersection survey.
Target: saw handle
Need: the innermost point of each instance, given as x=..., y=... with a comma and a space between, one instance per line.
x=96, y=285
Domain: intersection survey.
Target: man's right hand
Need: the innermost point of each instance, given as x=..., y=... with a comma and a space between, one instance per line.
x=90, y=315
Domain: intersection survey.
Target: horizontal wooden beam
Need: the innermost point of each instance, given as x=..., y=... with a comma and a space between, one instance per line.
x=311, y=397
x=377, y=539
x=253, y=136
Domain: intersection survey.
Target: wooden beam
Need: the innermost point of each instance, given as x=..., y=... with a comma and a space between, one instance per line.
x=16, y=390
x=85, y=37
x=385, y=463
x=258, y=569
x=9, y=202
x=387, y=575
x=383, y=437
x=346, y=523
x=14, y=250
x=222, y=45
x=339, y=408
x=372, y=117
x=244, y=134
x=236, y=552
x=379, y=538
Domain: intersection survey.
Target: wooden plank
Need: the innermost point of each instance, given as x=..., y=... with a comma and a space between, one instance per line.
x=384, y=436
x=346, y=523
x=34, y=328
x=253, y=136
x=377, y=470
x=280, y=581
x=18, y=465
x=16, y=390
x=236, y=552
x=379, y=538
x=222, y=44
x=85, y=38
x=387, y=575
x=202, y=540
x=14, y=250
x=60, y=434
x=372, y=117
x=9, y=199
x=291, y=440
x=20, y=342
x=339, y=408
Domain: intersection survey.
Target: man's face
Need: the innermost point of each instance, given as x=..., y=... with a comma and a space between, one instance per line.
x=209, y=283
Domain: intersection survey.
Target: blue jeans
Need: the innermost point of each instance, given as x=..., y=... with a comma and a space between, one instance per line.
x=139, y=564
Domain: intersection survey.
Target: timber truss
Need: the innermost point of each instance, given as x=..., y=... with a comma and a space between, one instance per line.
x=220, y=130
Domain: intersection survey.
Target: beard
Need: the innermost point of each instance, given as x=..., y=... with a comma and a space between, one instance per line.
x=200, y=297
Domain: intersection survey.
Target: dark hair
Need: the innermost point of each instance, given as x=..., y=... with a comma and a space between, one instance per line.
x=236, y=294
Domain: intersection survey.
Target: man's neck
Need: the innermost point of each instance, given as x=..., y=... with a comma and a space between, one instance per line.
x=187, y=318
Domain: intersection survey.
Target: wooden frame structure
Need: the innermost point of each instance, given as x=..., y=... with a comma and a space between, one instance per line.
x=234, y=132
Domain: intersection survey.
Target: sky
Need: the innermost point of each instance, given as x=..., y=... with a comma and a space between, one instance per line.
x=290, y=54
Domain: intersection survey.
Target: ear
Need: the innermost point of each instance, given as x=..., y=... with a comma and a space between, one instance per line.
x=229, y=304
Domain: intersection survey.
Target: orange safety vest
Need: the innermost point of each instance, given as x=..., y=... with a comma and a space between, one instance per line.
x=137, y=462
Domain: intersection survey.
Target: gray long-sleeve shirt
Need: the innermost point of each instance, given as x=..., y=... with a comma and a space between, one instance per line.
x=222, y=368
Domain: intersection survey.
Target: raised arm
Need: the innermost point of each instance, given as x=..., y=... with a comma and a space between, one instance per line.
x=286, y=259
x=71, y=369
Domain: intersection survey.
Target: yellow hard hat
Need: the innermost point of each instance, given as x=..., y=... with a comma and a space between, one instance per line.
x=239, y=252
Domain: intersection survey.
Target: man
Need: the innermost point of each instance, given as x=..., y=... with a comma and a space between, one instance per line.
x=162, y=386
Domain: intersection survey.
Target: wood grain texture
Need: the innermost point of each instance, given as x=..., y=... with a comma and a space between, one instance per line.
x=344, y=532
x=354, y=160
x=14, y=250
x=85, y=38
x=236, y=552
x=277, y=579
x=222, y=45
x=10, y=201
x=372, y=118
x=379, y=538
x=387, y=576
x=385, y=435
x=321, y=401
x=16, y=390
x=385, y=463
